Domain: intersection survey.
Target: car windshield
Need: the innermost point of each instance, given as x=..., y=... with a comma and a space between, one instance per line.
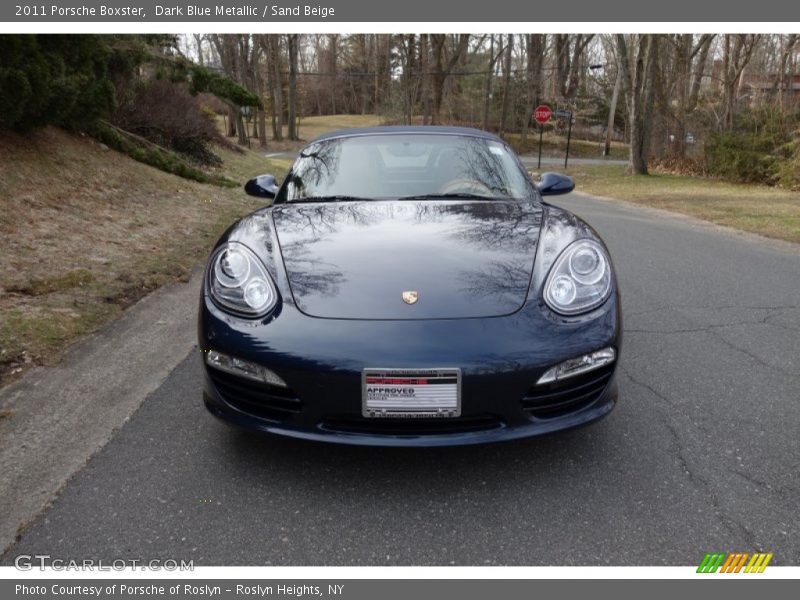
x=405, y=166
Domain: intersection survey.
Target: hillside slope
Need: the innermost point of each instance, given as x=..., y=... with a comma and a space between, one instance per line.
x=86, y=231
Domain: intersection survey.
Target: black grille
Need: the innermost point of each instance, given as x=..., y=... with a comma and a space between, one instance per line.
x=258, y=399
x=411, y=426
x=552, y=400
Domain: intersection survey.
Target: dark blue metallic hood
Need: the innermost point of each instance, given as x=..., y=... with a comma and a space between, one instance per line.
x=353, y=260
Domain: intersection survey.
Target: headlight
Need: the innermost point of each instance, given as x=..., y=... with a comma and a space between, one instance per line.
x=580, y=279
x=238, y=281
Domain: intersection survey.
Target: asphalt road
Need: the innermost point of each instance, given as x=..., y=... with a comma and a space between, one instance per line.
x=701, y=453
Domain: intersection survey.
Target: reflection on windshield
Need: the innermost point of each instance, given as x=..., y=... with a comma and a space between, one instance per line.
x=405, y=165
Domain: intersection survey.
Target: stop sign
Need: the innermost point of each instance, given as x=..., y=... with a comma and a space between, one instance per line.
x=542, y=114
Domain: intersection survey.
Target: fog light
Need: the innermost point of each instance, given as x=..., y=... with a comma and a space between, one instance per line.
x=576, y=366
x=243, y=368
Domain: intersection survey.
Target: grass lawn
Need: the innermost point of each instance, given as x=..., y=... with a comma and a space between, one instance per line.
x=311, y=127
x=556, y=145
x=760, y=209
x=86, y=231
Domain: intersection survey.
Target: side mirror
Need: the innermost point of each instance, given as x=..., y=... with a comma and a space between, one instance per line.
x=263, y=186
x=554, y=184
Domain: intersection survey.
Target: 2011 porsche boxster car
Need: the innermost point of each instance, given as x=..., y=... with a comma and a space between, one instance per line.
x=409, y=286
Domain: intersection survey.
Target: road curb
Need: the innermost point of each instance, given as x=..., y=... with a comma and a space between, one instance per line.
x=60, y=416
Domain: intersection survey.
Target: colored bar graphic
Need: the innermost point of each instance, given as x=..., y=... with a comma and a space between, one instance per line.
x=711, y=562
x=734, y=562
x=765, y=563
x=754, y=563
x=740, y=564
x=703, y=563
x=727, y=566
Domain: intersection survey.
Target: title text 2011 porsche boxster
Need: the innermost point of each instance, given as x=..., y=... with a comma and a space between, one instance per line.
x=409, y=286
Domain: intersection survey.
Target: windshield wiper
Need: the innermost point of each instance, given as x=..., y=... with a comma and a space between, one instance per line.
x=458, y=196
x=335, y=198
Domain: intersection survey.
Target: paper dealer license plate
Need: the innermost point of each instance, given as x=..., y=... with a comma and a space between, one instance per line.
x=411, y=393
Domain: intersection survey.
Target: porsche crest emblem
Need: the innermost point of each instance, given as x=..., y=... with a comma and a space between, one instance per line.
x=410, y=296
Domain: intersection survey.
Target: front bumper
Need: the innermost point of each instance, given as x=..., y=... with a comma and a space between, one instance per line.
x=321, y=360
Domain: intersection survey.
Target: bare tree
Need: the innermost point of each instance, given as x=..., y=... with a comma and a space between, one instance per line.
x=424, y=54
x=410, y=60
x=229, y=49
x=638, y=65
x=444, y=60
x=535, y=50
x=487, y=94
x=509, y=51
x=671, y=85
x=361, y=43
x=273, y=50
x=258, y=81
x=687, y=68
x=292, y=117
x=737, y=50
x=332, y=68
x=199, y=38
x=569, y=50
x=783, y=81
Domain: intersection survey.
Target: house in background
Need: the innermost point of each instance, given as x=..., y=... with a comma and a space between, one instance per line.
x=755, y=88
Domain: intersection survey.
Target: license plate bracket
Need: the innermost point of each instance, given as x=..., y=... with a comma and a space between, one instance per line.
x=411, y=393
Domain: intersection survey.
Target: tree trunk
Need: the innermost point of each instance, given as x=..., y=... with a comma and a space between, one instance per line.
x=410, y=77
x=506, y=83
x=333, y=61
x=737, y=52
x=292, y=120
x=363, y=62
x=576, y=65
x=261, y=119
x=536, y=44
x=783, y=81
x=701, y=51
x=198, y=40
x=561, y=49
x=258, y=81
x=487, y=93
x=438, y=80
x=425, y=66
x=277, y=86
x=232, y=116
x=681, y=64
x=443, y=67
x=638, y=74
